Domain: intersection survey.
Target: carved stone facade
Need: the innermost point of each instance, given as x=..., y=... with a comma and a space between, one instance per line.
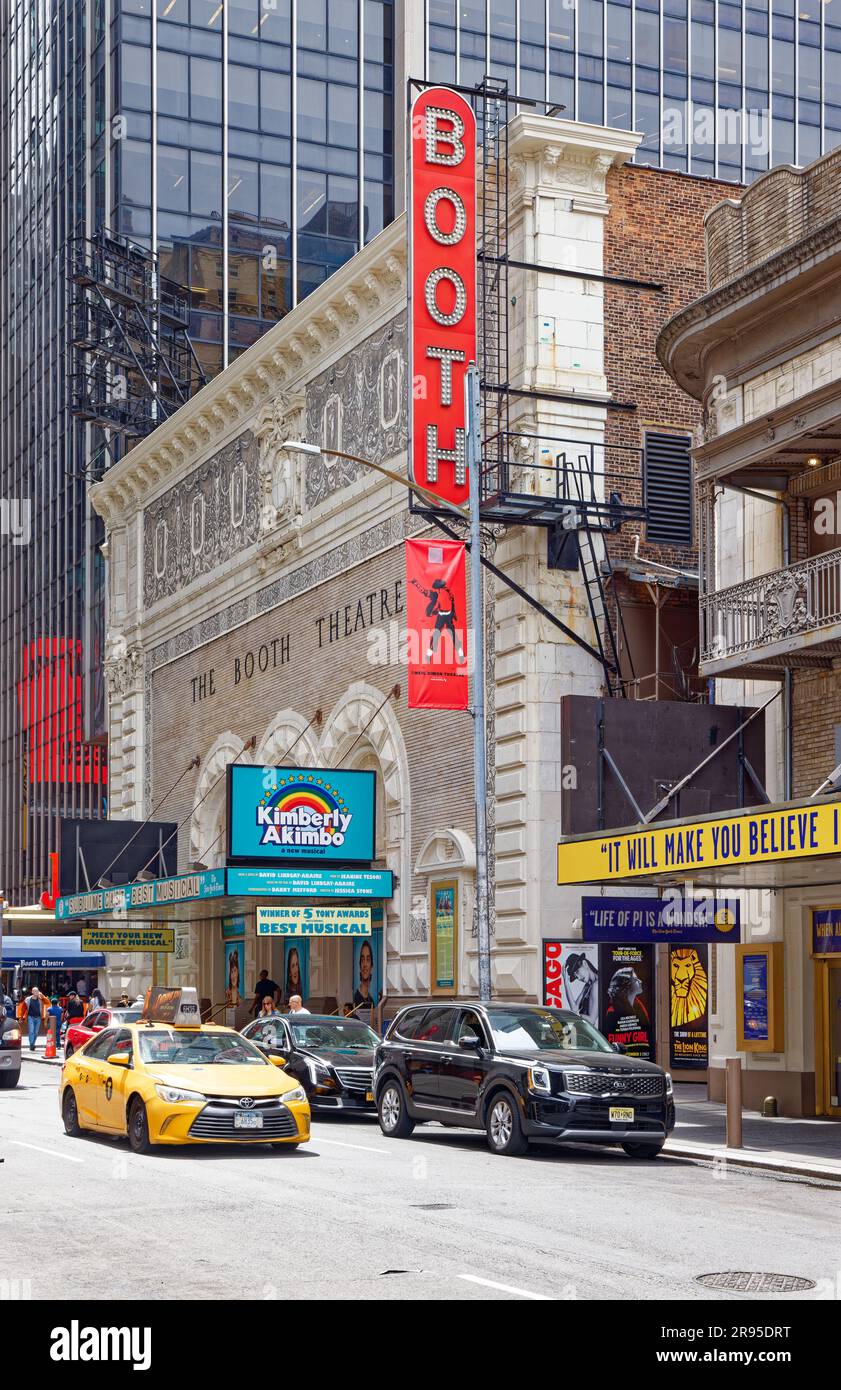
x=203, y=520
x=357, y=406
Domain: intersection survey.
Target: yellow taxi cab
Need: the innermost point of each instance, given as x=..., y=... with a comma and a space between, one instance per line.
x=168, y=1079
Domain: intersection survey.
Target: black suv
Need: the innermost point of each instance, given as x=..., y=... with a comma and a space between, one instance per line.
x=333, y=1058
x=520, y=1072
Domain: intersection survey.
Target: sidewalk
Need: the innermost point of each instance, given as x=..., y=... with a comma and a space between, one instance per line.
x=808, y=1148
x=38, y=1054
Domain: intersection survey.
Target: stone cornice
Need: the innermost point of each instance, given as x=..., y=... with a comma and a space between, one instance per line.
x=551, y=157
x=356, y=298
x=684, y=337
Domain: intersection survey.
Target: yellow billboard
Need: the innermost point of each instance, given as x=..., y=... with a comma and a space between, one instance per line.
x=797, y=831
x=128, y=939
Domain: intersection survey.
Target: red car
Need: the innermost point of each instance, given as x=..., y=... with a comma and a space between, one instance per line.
x=80, y=1030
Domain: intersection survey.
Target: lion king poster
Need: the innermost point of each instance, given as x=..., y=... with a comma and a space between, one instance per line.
x=688, y=1006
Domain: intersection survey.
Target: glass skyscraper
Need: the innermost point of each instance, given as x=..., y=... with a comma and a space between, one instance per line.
x=719, y=89
x=250, y=144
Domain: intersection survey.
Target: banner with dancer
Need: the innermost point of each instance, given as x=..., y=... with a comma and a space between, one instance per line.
x=436, y=621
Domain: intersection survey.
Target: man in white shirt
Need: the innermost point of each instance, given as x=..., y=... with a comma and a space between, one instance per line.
x=296, y=1005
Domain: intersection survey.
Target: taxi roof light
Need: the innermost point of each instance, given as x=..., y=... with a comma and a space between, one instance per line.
x=178, y=1007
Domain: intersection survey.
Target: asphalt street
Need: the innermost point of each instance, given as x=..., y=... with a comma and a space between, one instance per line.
x=354, y=1215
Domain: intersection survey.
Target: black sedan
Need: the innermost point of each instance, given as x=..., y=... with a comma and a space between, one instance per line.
x=333, y=1058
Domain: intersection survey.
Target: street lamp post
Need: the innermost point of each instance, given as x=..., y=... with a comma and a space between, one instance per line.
x=480, y=755
x=480, y=747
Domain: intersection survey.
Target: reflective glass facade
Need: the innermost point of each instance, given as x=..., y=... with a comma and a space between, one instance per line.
x=225, y=136
x=239, y=159
x=718, y=89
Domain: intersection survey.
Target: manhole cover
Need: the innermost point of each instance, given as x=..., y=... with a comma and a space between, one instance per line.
x=753, y=1281
x=432, y=1206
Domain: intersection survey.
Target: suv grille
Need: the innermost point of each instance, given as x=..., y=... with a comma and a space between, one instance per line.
x=357, y=1080
x=216, y=1121
x=592, y=1083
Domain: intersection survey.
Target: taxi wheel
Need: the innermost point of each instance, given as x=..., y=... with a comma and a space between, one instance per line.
x=138, y=1128
x=395, y=1120
x=503, y=1127
x=636, y=1149
x=70, y=1114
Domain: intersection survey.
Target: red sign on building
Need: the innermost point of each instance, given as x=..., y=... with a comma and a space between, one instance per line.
x=442, y=230
x=436, y=624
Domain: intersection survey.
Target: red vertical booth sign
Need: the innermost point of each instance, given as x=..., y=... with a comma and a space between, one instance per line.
x=442, y=230
x=436, y=620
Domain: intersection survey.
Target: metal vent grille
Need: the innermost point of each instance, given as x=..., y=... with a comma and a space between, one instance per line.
x=668, y=488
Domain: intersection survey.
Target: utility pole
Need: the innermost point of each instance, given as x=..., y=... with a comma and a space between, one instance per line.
x=477, y=612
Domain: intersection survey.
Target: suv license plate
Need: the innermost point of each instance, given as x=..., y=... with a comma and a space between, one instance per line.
x=623, y=1113
x=248, y=1121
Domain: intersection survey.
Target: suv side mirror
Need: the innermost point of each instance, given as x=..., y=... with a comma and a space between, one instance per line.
x=619, y=1047
x=470, y=1040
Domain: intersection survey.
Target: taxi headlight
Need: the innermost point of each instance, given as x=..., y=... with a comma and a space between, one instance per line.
x=297, y=1093
x=173, y=1095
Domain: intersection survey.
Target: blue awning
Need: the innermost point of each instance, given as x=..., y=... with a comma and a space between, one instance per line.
x=49, y=953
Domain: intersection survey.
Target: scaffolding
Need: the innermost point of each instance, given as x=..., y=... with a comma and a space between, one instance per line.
x=133, y=362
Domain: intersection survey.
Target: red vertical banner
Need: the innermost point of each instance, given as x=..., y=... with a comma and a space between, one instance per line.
x=442, y=231
x=436, y=620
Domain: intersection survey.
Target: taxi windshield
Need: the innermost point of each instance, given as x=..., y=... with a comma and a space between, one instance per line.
x=540, y=1030
x=334, y=1036
x=164, y=1048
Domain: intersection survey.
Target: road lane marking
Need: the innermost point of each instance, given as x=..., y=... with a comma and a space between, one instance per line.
x=339, y=1144
x=506, y=1288
x=53, y=1153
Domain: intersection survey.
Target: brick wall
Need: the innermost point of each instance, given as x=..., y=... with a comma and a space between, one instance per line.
x=655, y=232
x=816, y=711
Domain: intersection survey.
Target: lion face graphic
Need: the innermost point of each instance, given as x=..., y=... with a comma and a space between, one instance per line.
x=689, y=985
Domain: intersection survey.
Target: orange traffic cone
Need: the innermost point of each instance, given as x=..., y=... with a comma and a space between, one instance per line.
x=49, y=1050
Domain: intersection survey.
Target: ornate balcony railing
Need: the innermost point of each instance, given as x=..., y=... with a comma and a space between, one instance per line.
x=768, y=615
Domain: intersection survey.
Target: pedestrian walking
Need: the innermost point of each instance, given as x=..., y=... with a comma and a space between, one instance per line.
x=296, y=1005
x=264, y=989
x=36, y=1009
x=74, y=1008
x=97, y=998
x=268, y=1008
x=8, y=1006
x=55, y=1014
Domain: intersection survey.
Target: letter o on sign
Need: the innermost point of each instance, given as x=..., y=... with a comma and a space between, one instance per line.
x=430, y=216
x=433, y=280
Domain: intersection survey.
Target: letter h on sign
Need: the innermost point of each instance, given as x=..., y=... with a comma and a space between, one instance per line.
x=442, y=228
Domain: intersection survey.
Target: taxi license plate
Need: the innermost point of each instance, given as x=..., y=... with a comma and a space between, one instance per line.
x=248, y=1121
x=623, y=1113
x=369, y=1095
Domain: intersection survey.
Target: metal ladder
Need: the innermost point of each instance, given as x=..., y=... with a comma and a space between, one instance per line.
x=595, y=566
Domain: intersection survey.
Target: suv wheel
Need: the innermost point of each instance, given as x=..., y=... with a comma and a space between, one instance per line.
x=9, y=1079
x=503, y=1127
x=395, y=1120
x=636, y=1148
